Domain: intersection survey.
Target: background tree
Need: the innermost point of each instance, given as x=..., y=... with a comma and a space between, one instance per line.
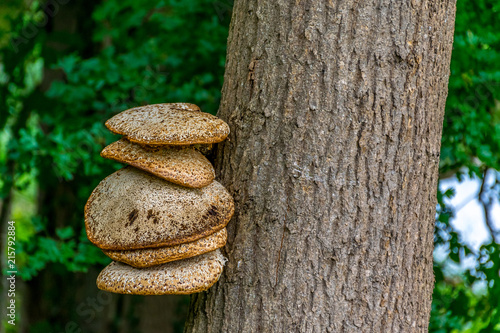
x=336, y=112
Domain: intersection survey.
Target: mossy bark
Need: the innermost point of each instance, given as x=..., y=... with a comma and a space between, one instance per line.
x=336, y=111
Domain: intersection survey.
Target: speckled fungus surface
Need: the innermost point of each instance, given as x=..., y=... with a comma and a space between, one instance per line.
x=183, y=166
x=186, y=276
x=156, y=256
x=163, y=124
x=132, y=209
x=163, y=217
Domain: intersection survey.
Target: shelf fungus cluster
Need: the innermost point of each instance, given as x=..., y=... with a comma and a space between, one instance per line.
x=162, y=218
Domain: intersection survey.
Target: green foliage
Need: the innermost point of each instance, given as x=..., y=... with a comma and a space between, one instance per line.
x=471, y=137
x=471, y=141
x=457, y=307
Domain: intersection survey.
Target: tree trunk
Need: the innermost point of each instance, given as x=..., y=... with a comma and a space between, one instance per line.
x=336, y=111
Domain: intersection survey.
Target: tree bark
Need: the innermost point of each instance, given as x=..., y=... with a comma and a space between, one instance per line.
x=336, y=111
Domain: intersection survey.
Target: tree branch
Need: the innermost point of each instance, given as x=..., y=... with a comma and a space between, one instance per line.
x=485, y=200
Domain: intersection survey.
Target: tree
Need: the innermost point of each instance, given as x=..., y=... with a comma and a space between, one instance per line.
x=336, y=111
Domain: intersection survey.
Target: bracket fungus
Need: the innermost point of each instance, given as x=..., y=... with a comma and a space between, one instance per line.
x=185, y=276
x=155, y=256
x=162, y=218
x=168, y=124
x=132, y=209
x=179, y=165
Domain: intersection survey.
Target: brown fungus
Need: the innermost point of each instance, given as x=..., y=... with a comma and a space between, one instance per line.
x=155, y=256
x=185, y=276
x=163, y=218
x=182, y=166
x=164, y=213
x=164, y=124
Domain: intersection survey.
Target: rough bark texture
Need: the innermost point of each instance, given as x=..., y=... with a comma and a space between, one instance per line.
x=336, y=110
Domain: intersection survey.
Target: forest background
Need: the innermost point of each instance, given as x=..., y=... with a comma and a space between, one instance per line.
x=68, y=65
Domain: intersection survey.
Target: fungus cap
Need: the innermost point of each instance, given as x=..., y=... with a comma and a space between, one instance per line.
x=185, y=276
x=132, y=209
x=155, y=256
x=167, y=124
x=183, y=166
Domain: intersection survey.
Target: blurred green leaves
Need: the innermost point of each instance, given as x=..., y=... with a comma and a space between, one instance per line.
x=58, y=88
x=471, y=131
x=471, y=143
